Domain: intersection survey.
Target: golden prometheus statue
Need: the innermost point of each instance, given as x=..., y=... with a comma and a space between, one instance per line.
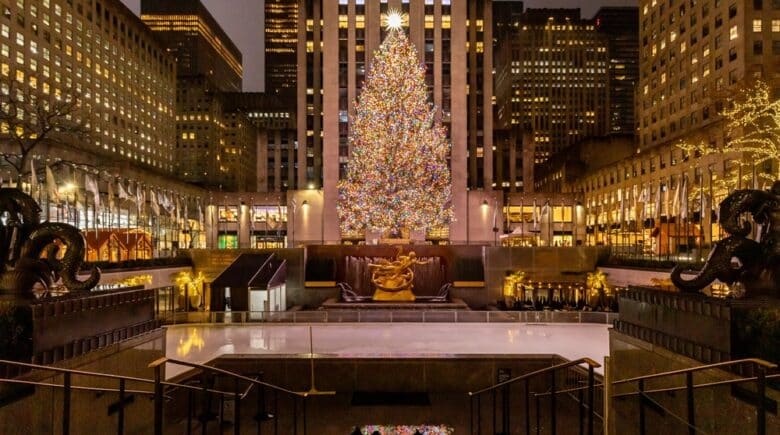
x=393, y=279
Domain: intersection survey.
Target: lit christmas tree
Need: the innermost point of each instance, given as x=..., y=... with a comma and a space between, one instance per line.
x=398, y=176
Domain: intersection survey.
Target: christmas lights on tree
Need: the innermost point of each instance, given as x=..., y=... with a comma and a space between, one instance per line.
x=398, y=175
x=752, y=126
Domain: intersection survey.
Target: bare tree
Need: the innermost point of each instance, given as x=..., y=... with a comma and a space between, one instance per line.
x=30, y=118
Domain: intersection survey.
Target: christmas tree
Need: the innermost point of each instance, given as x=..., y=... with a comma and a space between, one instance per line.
x=397, y=176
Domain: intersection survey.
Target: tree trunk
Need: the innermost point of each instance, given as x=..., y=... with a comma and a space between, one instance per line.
x=20, y=169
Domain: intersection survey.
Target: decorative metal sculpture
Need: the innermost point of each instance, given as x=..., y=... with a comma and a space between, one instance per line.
x=29, y=249
x=758, y=265
x=393, y=279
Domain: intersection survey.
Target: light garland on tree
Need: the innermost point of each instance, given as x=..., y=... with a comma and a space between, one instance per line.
x=752, y=125
x=398, y=175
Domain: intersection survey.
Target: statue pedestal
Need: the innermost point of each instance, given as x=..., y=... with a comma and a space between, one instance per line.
x=399, y=296
x=700, y=327
x=395, y=241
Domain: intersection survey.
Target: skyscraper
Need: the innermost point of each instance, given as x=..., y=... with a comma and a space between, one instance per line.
x=552, y=80
x=619, y=25
x=218, y=147
x=281, y=41
x=692, y=55
x=200, y=46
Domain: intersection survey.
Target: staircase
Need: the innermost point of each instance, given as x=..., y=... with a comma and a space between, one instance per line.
x=567, y=399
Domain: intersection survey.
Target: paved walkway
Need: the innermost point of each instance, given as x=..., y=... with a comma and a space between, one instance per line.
x=203, y=343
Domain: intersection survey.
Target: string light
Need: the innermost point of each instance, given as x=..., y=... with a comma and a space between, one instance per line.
x=752, y=124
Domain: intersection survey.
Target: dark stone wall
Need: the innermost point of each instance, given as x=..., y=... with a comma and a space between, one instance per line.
x=718, y=410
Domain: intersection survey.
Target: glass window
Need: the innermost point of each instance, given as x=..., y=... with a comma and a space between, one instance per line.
x=228, y=213
x=228, y=241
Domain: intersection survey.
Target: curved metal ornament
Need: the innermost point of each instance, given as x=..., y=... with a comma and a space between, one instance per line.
x=29, y=249
x=754, y=263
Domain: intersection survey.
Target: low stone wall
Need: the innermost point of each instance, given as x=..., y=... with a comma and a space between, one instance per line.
x=161, y=277
x=718, y=410
x=70, y=327
x=550, y=264
x=704, y=328
x=626, y=276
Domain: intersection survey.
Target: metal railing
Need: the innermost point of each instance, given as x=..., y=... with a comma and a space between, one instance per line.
x=236, y=378
x=389, y=316
x=586, y=423
x=644, y=399
x=160, y=392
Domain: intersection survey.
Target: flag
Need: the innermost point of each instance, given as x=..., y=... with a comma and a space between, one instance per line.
x=178, y=209
x=546, y=211
x=657, y=209
x=153, y=202
x=33, y=178
x=123, y=195
x=90, y=185
x=676, y=200
x=51, y=186
x=645, y=195
x=279, y=216
x=140, y=197
x=162, y=199
x=251, y=216
x=535, y=216
x=187, y=212
x=666, y=200
x=110, y=196
x=170, y=205
x=201, y=220
x=684, y=199
x=78, y=198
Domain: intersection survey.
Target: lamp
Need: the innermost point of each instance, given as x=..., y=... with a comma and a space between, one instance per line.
x=305, y=203
x=485, y=203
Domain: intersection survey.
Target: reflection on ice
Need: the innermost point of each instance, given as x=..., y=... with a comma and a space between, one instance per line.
x=203, y=343
x=191, y=339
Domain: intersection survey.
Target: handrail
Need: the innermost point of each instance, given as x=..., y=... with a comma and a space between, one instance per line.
x=74, y=372
x=756, y=361
x=568, y=390
x=704, y=385
x=588, y=361
x=163, y=360
x=101, y=375
x=75, y=387
x=643, y=395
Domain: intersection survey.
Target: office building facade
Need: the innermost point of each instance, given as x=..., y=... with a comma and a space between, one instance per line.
x=274, y=119
x=281, y=41
x=101, y=54
x=619, y=25
x=218, y=146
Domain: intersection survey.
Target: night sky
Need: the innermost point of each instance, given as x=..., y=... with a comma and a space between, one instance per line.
x=243, y=22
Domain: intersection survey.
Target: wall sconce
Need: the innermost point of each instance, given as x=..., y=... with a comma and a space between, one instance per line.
x=485, y=203
x=305, y=203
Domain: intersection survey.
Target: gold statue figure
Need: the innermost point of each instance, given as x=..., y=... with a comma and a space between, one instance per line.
x=393, y=279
